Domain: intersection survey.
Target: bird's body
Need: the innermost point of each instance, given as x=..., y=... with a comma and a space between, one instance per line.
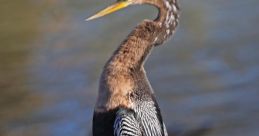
x=126, y=104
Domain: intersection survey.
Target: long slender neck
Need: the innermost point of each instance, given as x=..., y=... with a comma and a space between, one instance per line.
x=132, y=53
x=117, y=81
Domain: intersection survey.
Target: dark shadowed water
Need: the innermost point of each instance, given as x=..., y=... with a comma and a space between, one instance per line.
x=205, y=78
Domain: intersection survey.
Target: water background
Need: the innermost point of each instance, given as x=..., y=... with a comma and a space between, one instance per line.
x=206, y=76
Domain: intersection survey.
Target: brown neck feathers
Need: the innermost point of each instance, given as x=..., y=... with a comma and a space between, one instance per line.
x=132, y=53
x=117, y=82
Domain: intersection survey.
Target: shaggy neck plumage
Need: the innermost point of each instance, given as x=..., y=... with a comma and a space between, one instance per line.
x=132, y=53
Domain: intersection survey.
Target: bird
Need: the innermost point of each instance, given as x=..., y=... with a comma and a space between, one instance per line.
x=126, y=103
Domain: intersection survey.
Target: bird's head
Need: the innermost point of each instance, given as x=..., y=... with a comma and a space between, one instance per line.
x=165, y=23
x=120, y=4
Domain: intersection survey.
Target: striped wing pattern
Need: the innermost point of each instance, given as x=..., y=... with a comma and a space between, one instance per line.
x=126, y=124
x=142, y=121
x=149, y=120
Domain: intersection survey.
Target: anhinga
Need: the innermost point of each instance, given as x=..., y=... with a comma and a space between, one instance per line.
x=126, y=104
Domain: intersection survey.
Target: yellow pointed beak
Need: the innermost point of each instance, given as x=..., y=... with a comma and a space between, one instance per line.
x=115, y=7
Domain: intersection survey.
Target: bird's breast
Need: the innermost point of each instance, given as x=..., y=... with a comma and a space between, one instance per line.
x=114, y=91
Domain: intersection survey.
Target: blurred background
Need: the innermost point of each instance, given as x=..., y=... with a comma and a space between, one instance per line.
x=206, y=77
